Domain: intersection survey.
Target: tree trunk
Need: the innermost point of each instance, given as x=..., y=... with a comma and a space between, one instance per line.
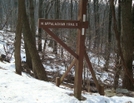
x=108, y=44
x=96, y=21
x=28, y=57
x=118, y=62
x=29, y=39
x=127, y=42
x=32, y=20
x=1, y=15
x=57, y=13
x=32, y=25
x=40, y=30
x=18, y=40
x=133, y=23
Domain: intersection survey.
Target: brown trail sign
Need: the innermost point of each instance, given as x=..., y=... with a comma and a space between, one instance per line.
x=81, y=24
x=43, y=23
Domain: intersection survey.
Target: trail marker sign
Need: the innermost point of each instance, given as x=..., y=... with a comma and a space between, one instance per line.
x=43, y=23
x=81, y=24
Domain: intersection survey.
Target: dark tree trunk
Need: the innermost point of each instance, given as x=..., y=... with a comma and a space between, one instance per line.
x=40, y=30
x=28, y=57
x=32, y=25
x=18, y=40
x=118, y=62
x=125, y=51
x=127, y=42
x=96, y=21
x=133, y=21
x=108, y=44
x=30, y=42
x=57, y=13
x=32, y=19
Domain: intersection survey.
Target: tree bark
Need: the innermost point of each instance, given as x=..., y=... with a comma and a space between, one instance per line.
x=108, y=44
x=57, y=13
x=96, y=24
x=32, y=25
x=29, y=39
x=18, y=40
x=40, y=11
x=118, y=61
x=127, y=42
x=32, y=20
x=28, y=57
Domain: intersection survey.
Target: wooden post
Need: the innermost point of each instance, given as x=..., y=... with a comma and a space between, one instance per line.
x=80, y=50
x=101, y=90
x=58, y=81
x=99, y=87
x=92, y=71
x=69, y=68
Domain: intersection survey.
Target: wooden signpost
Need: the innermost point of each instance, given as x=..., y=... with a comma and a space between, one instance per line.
x=81, y=24
x=43, y=23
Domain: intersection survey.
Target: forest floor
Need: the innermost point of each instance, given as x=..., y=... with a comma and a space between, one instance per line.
x=56, y=67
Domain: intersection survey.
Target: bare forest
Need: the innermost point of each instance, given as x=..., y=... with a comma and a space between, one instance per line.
x=109, y=40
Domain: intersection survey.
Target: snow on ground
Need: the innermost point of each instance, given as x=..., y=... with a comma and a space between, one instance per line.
x=25, y=89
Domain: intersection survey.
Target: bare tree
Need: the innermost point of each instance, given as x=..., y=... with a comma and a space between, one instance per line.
x=57, y=13
x=41, y=15
x=30, y=42
x=96, y=23
x=108, y=41
x=127, y=39
x=118, y=60
x=18, y=39
x=33, y=30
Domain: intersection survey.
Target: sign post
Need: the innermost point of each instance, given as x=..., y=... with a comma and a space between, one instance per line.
x=81, y=24
x=43, y=23
x=80, y=50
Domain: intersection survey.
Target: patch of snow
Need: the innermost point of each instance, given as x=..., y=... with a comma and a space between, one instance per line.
x=25, y=89
x=48, y=62
x=104, y=76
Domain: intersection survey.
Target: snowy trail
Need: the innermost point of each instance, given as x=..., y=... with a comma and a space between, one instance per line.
x=24, y=89
x=18, y=89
